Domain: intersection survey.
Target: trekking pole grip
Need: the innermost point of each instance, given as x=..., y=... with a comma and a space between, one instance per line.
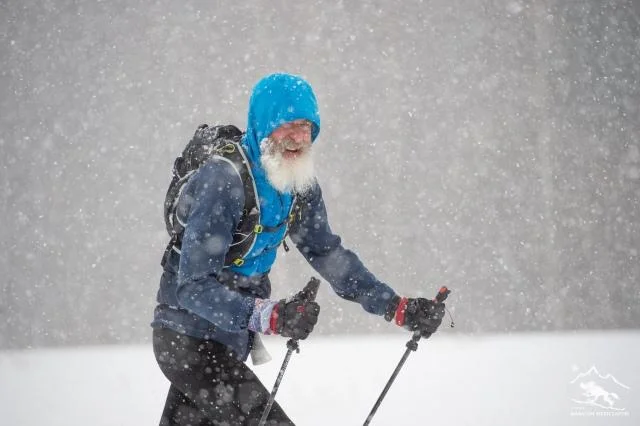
x=310, y=291
x=442, y=295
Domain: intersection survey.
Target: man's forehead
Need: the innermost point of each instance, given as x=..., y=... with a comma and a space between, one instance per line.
x=296, y=123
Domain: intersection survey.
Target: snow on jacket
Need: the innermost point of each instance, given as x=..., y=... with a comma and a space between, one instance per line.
x=199, y=295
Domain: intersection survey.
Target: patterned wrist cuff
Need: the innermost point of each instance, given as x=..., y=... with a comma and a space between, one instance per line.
x=259, y=320
x=401, y=310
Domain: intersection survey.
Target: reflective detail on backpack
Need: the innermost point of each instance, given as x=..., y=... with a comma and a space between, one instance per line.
x=175, y=216
x=170, y=208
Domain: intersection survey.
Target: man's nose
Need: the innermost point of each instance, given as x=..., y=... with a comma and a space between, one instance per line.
x=301, y=137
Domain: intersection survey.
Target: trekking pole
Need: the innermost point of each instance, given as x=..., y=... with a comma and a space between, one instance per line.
x=412, y=345
x=309, y=293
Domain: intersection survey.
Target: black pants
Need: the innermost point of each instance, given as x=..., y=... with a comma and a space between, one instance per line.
x=209, y=386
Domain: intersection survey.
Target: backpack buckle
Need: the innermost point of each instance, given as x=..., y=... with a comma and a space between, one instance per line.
x=238, y=262
x=258, y=229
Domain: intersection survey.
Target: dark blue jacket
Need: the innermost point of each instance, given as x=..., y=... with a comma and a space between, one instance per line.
x=198, y=295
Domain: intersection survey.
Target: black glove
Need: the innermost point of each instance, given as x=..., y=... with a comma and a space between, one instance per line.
x=423, y=315
x=294, y=318
x=419, y=314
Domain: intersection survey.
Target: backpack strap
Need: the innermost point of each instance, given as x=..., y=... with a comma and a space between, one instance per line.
x=249, y=226
x=297, y=211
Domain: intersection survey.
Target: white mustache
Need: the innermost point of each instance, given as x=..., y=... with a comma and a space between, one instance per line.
x=289, y=144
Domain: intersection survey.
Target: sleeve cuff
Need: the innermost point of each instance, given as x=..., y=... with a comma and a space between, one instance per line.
x=390, y=310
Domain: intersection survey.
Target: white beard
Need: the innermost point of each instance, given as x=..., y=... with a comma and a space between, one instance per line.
x=287, y=175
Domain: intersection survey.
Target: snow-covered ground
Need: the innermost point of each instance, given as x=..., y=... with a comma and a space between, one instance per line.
x=452, y=380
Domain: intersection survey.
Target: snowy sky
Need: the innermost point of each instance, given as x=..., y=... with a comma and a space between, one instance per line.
x=491, y=146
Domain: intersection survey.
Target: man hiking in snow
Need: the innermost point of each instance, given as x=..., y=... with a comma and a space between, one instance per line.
x=227, y=216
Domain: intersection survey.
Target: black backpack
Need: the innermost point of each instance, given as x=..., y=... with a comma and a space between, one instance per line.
x=208, y=142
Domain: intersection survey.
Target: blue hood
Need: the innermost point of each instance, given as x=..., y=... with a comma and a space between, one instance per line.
x=275, y=100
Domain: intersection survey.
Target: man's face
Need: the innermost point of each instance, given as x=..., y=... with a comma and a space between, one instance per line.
x=291, y=139
x=286, y=157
